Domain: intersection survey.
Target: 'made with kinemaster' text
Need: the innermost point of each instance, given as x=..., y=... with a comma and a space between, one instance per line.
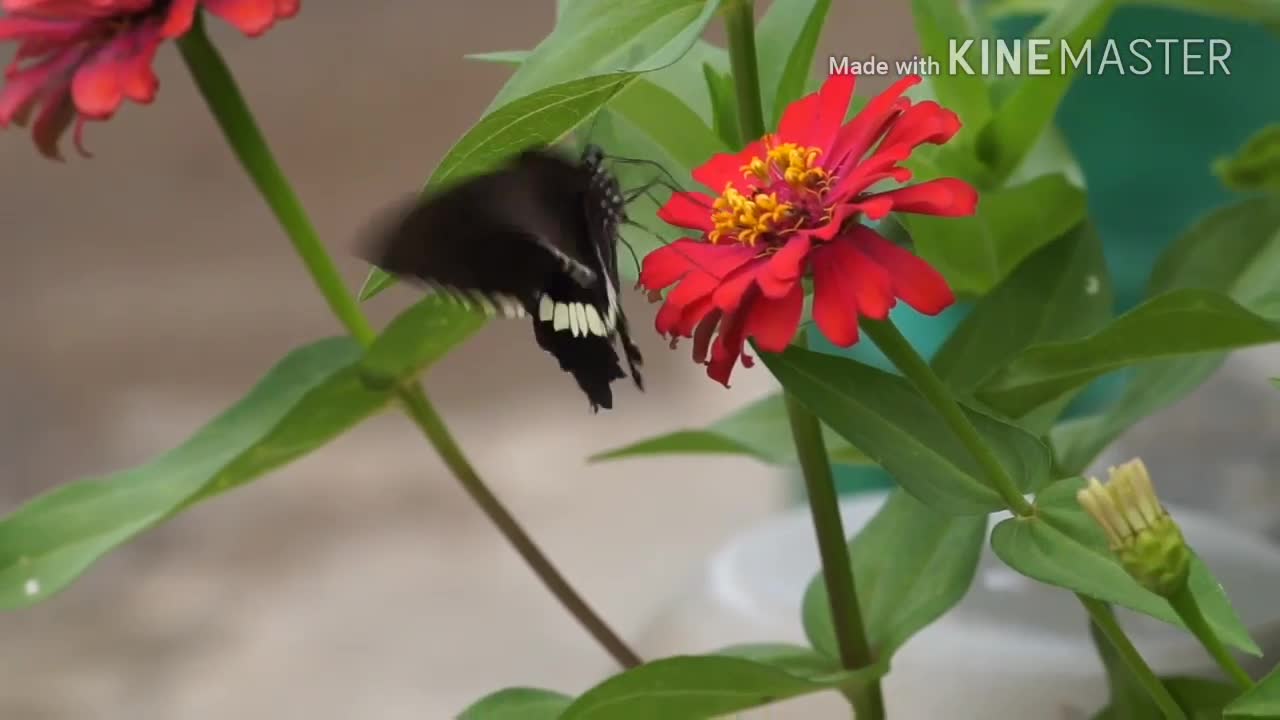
x=1045, y=56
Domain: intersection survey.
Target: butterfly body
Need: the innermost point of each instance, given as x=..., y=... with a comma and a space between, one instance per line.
x=536, y=237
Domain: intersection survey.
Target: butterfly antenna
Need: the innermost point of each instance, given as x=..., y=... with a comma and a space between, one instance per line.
x=635, y=258
x=672, y=184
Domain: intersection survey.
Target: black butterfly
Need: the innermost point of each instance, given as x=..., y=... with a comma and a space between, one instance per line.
x=537, y=237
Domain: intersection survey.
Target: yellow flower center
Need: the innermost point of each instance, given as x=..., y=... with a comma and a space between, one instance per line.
x=787, y=169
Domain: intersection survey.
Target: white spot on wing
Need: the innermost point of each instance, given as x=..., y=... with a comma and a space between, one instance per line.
x=561, y=317
x=580, y=311
x=546, y=308
x=594, y=323
x=573, y=320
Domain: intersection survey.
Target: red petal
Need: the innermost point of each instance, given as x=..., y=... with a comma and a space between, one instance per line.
x=834, y=308
x=688, y=210
x=773, y=322
x=727, y=348
x=948, y=197
x=702, y=336
x=729, y=295
x=692, y=316
x=96, y=87
x=785, y=267
x=855, y=139
x=724, y=168
x=797, y=119
x=914, y=280
x=181, y=14
x=669, y=263
x=923, y=122
x=52, y=121
x=252, y=17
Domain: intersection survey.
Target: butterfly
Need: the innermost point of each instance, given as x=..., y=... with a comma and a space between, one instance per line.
x=536, y=237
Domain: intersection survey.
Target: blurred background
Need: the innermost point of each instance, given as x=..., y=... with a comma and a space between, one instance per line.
x=146, y=289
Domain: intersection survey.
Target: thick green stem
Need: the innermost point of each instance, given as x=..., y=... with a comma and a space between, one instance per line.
x=833, y=549
x=739, y=22
x=926, y=381
x=806, y=431
x=232, y=114
x=1184, y=603
x=1105, y=620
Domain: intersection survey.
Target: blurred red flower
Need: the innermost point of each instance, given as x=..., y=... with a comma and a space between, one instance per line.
x=788, y=207
x=79, y=60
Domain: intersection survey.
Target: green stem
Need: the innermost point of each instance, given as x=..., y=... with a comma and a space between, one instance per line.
x=806, y=431
x=1184, y=603
x=837, y=567
x=1105, y=620
x=900, y=352
x=232, y=114
x=739, y=22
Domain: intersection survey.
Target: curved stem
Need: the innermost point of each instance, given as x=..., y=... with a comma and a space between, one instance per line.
x=1105, y=620
x=926, y=381
x=218, y=87
x=1184, y=603
x=899, y=351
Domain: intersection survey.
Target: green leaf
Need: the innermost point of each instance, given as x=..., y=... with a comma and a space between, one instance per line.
x=786, y=40
x=1181, y=322
x=1061, y=545
x=684, y=79
x=1235, y=250
x=977, y=252
x=593, y=38
x=542, y=118
x=518, y=704
x=724, y=106
x=1263, y=701
x=417, y=338
x=704, y=686
x=938, y=24
x=911, y=564
x=307, y=399
x=1256, y=165
x=883, y=416
x=795, y=659
x=1259, y=11
x=668, y=122
x=1063, y=291
x=1028, y=108
x=759, y=430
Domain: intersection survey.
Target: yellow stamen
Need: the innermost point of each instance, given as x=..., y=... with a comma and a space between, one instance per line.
x=746, y=218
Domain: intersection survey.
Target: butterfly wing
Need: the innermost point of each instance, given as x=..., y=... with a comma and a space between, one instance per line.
x=579, y=325
x=491, y=240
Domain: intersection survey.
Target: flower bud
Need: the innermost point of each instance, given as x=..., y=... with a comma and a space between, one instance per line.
x=1140, y=532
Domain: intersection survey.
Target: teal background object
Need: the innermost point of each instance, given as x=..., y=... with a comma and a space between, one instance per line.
x=1145, y=144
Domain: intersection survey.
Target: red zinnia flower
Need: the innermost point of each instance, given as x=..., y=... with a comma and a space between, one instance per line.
x=788, y=206
x=79, y=60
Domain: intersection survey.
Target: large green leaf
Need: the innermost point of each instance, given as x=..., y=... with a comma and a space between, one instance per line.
x=593, y=38
x=1061, y=545
x=542, y=118
x=1062, y=291
x=518, y=704
x=1265, y=12
x=1256, y=165
x=669, y=123
x=786, y=39
x=977, y=252
x=724, y=106
x=1263, y=701
x=911, y=564
x=883, y=416
x=759, y=430
x=49, y=541
x=310, y=397
x=1029, y=106
x=1181, y=322
x=705, y=686
x=1235, y=250
x=938, y=24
